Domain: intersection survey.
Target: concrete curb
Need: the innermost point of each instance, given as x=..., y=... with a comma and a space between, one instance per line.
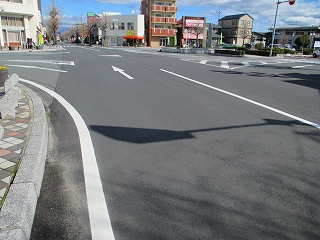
x=17, y=213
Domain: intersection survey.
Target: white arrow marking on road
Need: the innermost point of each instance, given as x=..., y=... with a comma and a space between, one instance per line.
x=122, y=72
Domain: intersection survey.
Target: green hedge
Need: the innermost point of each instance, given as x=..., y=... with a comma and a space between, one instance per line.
x=230, y=52
x=261, y=52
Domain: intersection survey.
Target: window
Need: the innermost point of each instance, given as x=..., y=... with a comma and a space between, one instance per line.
x=169, y=27
x=248, y=23
x=121, y=26
x=157, y=26
x=243, y=22
x=234, y=22
x=168, y=15
x=12, y=21
x=233, y=32
x=158, y=15
x=158, y=3
x=19, y=22
x=130, y=26
x=13, y=37
x=168, y=4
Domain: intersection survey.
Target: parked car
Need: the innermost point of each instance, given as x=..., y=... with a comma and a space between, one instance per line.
x=316, y=53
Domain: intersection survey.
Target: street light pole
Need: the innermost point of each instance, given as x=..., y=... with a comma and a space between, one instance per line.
x=291, y=2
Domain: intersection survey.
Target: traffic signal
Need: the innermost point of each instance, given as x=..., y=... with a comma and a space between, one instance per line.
x=291, y=2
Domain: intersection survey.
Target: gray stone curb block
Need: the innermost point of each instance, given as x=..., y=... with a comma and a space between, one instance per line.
x=15, y=234
x=8, y=103
x=1, y=132
x=18, y=210
x=17, y=213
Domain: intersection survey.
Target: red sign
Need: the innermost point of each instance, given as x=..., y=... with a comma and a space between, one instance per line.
x=291, y=2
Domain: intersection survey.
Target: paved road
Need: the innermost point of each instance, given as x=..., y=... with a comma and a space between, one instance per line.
x=188, y=147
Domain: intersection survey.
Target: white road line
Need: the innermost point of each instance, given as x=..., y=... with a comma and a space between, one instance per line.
x=45, y=61
x=224, y=64
x=303, y=66
x=48, y=69
x=203, y=61
x=109, y=55
x=98, y=212
x=247, y=100
x=246, y=64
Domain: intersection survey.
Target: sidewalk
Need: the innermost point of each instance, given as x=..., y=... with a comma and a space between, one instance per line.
x=23, y=150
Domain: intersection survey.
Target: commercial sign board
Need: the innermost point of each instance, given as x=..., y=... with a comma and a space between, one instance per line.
x=194, y=23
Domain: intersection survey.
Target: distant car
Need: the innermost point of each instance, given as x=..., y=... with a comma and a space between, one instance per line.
x=247, y=45
x=316, y=53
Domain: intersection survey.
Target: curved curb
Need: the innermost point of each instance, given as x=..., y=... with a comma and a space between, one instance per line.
x=17, y=213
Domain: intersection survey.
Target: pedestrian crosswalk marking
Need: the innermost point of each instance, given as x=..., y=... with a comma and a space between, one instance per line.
x=224, y=64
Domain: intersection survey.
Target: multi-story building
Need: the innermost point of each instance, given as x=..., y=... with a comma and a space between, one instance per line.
x=288, y=35
x=21, y=20
x=160, y=22
x=191, y=31
x=114, y=29
x=237, y=29
x=123, y=29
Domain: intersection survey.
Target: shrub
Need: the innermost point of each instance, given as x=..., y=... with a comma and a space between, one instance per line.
x=307, y=51
x=259, y=46
x=3, y=68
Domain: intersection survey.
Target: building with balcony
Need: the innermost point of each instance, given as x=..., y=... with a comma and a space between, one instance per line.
x=160, y=22
x=236, y=29
x=20, y=20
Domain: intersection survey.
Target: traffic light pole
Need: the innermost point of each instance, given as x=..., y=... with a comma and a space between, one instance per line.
x=291, y=2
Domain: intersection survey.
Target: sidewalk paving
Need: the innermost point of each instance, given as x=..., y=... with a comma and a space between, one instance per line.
x=23, y=150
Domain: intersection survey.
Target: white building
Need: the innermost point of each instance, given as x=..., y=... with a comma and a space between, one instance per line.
x=122, y=30
x=20, y=20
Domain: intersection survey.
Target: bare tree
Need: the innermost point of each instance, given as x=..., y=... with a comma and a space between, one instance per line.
x=244, y=33
x=54, y=21
x=105, y=24
x=283, y=40
x=197, y=30
x=66, y=35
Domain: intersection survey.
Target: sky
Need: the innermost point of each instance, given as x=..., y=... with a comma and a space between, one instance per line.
x=301, y=13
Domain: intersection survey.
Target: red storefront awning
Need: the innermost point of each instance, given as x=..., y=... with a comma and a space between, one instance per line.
x=134, y=37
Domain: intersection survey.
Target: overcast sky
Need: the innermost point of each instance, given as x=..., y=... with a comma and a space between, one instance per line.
x=302, y=13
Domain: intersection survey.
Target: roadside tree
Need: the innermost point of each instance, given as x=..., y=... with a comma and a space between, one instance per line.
x=54, y=22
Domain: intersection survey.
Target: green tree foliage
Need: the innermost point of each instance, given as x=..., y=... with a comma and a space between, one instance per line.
x=259, y=46
x=303, y=41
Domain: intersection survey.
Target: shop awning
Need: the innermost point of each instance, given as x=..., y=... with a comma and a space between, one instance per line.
x=134, y=37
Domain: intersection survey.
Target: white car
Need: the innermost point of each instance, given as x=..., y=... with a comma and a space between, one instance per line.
x=316, y=53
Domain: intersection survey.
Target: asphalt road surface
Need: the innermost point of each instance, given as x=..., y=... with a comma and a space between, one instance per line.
x=187, y=146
